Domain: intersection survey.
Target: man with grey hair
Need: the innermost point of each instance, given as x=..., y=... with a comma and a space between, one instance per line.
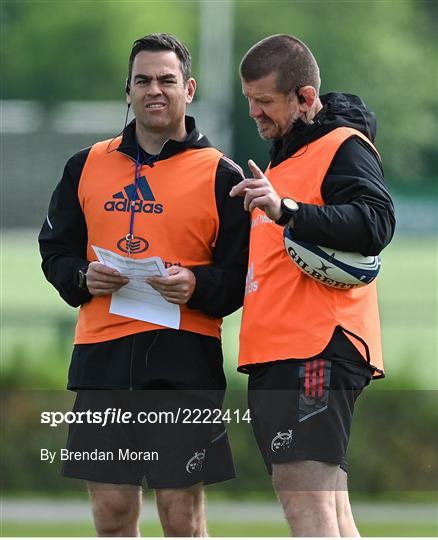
x=309, y=349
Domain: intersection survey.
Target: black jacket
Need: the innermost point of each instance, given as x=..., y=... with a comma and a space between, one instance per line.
x=358, y=214
x=63, y=238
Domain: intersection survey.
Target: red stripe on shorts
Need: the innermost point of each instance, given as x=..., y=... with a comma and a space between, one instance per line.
x=321, y=379
x=314, y=377
x=307, y=380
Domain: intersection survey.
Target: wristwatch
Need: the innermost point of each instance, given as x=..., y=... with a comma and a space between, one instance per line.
x=289, y=208
x=82, y=277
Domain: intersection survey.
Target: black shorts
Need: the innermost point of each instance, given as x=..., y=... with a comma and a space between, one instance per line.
x=157, y=372
x=159, y=441
x=302, y=409
x=173, y=359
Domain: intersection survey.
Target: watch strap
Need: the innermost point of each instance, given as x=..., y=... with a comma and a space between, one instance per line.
x=284, y=218
x=286, y=213
x=82, y=277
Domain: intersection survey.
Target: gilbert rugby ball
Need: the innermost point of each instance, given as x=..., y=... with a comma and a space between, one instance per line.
x=333, y=268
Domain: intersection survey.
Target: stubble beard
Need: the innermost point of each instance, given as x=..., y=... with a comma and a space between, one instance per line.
x=264, y=133
x=276, y=131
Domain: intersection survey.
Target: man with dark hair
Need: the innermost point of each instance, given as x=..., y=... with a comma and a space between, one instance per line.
x=285, y=55
x=309, y=349
x=162, y=42
x=159, y=189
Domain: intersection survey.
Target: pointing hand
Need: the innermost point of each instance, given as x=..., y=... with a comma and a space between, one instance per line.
x=258, y=193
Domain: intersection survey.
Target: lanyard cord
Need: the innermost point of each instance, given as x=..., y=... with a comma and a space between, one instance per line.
x=138, y=165
x=130, y=235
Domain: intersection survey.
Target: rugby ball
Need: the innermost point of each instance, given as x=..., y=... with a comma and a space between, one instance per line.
x=333, y=268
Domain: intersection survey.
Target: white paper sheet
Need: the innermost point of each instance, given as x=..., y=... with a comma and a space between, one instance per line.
x=137, y=299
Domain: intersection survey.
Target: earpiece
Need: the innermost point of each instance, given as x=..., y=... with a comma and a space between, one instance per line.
x=301, y=98
x=128, y=86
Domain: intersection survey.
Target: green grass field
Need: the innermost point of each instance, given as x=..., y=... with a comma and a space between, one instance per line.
x=408, y=304
x=215, y=529
x=35, y=347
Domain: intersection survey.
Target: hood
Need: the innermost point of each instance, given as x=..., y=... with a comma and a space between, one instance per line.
x=339, y=110
x=193, y=139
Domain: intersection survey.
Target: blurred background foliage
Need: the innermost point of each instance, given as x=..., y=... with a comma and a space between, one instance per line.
x=385, y=51
x=76, y=51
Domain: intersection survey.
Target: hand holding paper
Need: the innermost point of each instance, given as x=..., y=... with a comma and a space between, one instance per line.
x=177, y=287
x=103, y=280
x=137, y=299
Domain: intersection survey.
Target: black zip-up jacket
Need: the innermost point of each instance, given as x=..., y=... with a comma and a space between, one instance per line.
x=358, y=214
x=63, y=238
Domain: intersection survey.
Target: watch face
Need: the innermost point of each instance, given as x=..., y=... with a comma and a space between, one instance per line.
x=290, y=204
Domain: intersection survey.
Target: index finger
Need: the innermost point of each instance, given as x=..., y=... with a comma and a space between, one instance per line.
x=241, y=188
x=102, y=269
x=256, y=171
x=158, y=280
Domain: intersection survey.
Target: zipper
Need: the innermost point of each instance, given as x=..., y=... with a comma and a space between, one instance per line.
x=155, y=160
x=131, y=363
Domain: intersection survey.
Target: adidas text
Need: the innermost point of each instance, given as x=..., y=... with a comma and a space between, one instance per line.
x=139, y=206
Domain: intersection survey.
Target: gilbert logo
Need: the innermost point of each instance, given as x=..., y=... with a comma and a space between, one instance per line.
x=251, y=284
x=143, y=197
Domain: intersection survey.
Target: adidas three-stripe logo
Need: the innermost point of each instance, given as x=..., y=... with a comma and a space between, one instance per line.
x=143, y=196
x=143, y=187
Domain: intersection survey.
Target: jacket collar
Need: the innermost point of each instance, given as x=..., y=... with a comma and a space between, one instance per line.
x=339, y=110
x=193, y=139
